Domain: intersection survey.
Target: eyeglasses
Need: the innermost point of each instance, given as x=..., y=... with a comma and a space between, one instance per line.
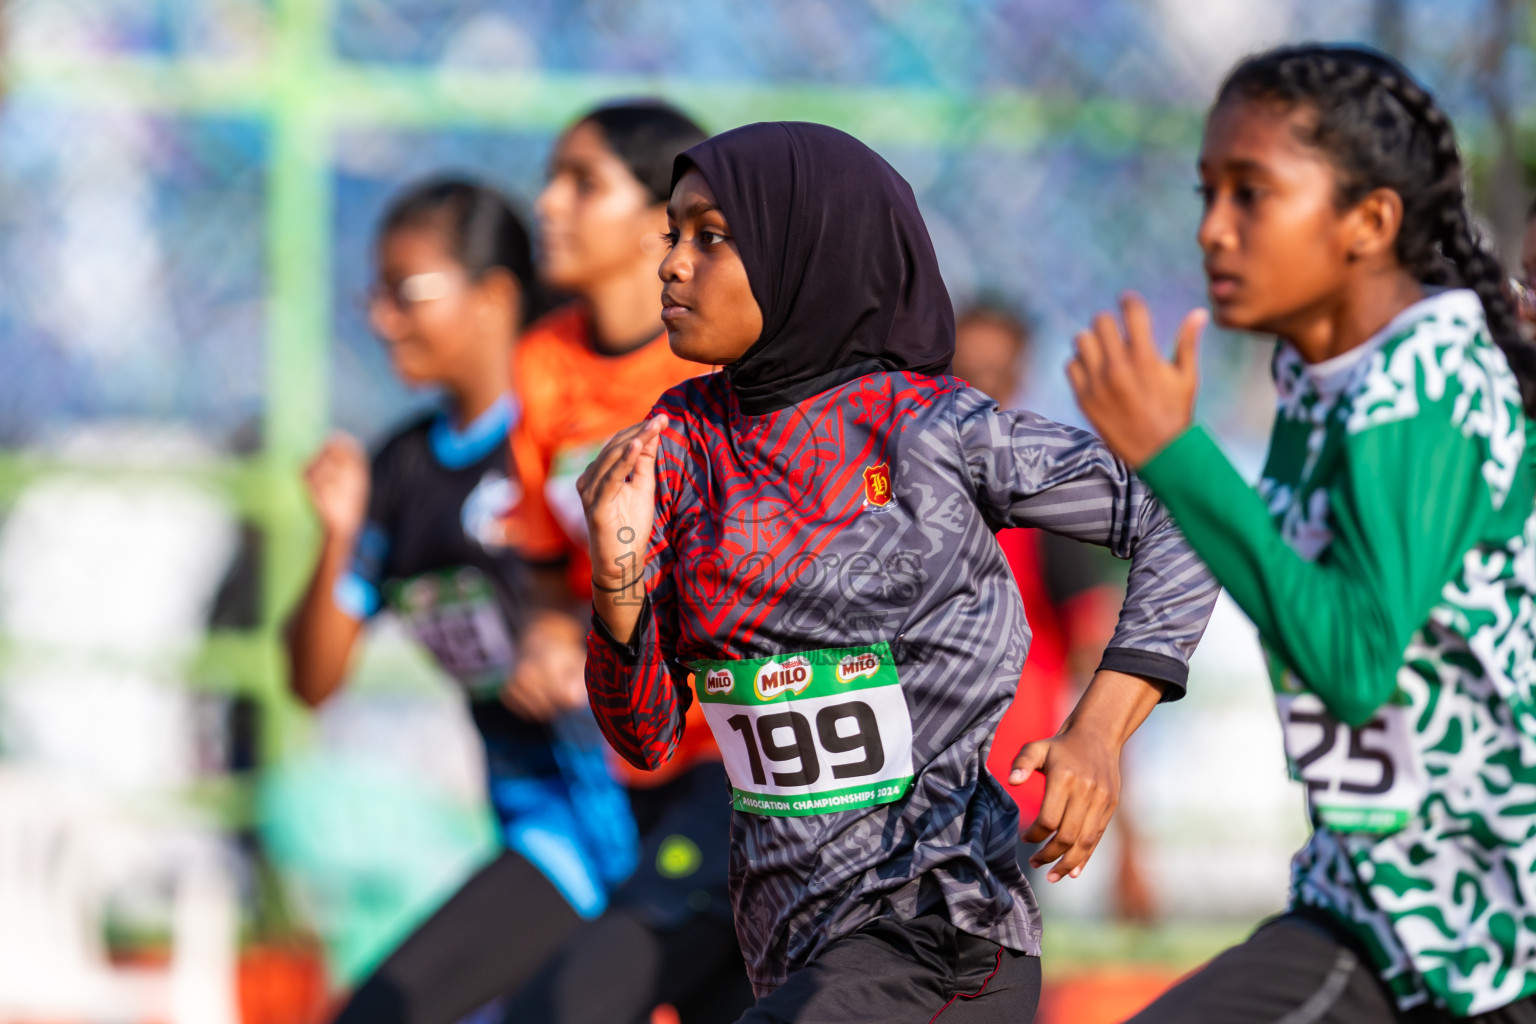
x=435, y=284
x=1525, y=298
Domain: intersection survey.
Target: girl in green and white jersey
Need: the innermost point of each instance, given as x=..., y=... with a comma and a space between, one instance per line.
x=1388, y=555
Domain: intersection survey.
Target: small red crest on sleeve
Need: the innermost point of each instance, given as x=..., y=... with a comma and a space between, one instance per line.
x=877, y=485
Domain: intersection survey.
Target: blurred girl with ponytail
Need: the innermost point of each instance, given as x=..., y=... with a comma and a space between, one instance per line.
x=1388, y=555
x=415, y=531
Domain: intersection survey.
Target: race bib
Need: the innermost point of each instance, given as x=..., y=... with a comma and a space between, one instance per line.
x=455, y=615
x=1365, y=778
x=810, y=733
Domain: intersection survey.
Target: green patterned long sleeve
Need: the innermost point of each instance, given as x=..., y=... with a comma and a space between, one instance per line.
x=1406, y=503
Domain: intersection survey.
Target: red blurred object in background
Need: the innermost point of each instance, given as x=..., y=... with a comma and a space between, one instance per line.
x=1072, y=615
x=282, y=985
x=1102, y=997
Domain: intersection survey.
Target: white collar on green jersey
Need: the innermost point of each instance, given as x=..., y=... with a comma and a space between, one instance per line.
x=1331, y=376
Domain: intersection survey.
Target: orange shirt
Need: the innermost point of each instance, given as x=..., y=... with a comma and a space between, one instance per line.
x=573, y=399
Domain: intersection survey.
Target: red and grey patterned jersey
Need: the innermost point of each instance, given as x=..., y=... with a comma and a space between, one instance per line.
x=830, y=574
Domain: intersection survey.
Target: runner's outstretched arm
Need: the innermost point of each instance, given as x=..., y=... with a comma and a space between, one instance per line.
x=1030, y=471
x=1342, y=622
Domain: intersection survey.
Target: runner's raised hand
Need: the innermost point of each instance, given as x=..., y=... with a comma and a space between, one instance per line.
x=547, y=679
x=1136, y=400
x=337, y=482
x=618, y=494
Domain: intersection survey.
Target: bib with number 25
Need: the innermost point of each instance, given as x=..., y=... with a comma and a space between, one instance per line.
x=1366, y=778
x=812, y=732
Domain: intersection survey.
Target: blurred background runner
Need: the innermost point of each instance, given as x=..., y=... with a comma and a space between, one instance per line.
x=420, y=532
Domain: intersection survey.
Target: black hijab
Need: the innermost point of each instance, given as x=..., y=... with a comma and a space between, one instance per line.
x=837, y=255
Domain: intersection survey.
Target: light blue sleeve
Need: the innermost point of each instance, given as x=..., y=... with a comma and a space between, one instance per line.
x=357, y=590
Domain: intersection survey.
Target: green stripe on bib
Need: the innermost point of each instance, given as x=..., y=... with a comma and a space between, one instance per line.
x=801, y=676
x=822, y=802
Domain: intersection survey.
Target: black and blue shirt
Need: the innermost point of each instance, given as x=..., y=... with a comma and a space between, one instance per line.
x=433, y=553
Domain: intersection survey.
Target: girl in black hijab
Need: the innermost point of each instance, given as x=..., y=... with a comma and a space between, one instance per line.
x=810, y=534
x=838, y=259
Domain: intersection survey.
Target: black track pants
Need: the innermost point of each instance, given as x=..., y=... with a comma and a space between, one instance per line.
x=490, y=937
x=616, y=969
x=1294, y=970
x=923, y=971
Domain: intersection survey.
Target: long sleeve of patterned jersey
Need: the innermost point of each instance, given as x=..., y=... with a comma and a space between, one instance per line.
x=1342, y=623
x=1031, y=471
x=638, y=702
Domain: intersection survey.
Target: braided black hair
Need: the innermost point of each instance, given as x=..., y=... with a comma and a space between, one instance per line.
x=482, y=230
x=1383, y=130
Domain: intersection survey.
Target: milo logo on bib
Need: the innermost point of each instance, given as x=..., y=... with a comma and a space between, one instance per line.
x=857, y=666
x=773, y=678
x=817, y=732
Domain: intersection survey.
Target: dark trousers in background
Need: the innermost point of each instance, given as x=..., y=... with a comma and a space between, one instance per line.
x=489, y=938
x=1296, y=970
x=616, y=969
x=666, y=937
